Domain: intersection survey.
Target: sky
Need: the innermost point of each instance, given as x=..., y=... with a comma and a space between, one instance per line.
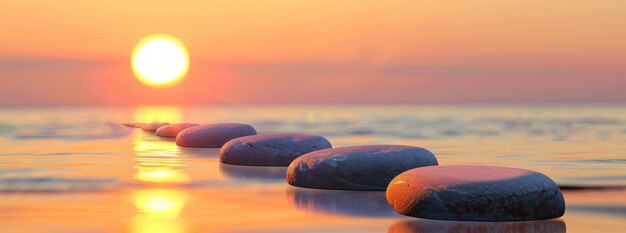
x=335, y=51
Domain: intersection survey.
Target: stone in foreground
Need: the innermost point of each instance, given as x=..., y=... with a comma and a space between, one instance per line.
x=173, y=129
x=270, y=149
x=475, y=193
x=369, y=167
x=152, y=126
x=212, y=135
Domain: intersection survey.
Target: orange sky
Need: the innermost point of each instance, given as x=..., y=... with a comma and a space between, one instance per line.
x=290, y=51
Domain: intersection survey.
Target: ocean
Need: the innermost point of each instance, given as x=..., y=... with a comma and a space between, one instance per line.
x=77, y=169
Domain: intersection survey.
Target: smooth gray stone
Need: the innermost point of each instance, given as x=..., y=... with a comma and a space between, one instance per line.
x=152, y=126
x=475, y=193
x=270, y=149
x=369, y=167
x=212, y=135
x=173, y=129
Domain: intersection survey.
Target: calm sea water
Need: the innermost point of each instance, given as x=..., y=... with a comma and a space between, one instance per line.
x=76, y=169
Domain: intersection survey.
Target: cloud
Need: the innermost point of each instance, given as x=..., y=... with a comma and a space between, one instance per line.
x=67, y=81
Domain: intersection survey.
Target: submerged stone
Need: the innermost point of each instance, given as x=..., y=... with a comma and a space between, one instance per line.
x=270, y=149
x=212, y=135
x=369, y=167
x=173, y=129
x=152, y=126
x=475, y=193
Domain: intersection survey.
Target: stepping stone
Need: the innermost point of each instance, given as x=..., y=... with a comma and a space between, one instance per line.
x=369, y=167
x=270, y=149
x=212, y=135
x=133, y=124
x=173, y=129
x=475, y=193
x=152, y=126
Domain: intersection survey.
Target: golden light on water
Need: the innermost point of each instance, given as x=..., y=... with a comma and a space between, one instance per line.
x=157, y=161
x=159, y=203
x=159, y=211
x=161, y=175
x=171, y=114
x=160, y=60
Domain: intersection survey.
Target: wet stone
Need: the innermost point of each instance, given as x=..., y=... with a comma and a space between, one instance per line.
x=270, y=149
x=475, y=193
x=369, y=167
x=152, y=126
x=212, y=135
x=173, y=129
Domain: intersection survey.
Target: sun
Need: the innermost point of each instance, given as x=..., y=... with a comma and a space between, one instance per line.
x=160, y=60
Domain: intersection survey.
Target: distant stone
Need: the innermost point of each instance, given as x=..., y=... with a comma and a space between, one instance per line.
x=152, y=126
x=475, y=193
x=270, y=149
x=369, y=167
x=173, y=129
x=212, y=135
x=133, y=124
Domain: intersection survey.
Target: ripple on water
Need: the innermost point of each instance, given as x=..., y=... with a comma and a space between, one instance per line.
x=56, y=184
x=67, y=131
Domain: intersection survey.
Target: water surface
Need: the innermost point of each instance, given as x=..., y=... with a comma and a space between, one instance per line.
x=76, y=169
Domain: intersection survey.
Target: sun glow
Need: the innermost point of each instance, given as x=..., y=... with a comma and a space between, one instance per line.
x=160, y=60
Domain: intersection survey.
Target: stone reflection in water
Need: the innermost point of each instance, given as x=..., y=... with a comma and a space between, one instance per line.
x=198, y=152
x=261, y=173
x=341, y=202
x=435, y=226
x=159, y=161
x=158, y=211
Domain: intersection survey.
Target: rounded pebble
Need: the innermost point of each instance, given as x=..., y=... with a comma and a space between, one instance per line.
x=173, y=129
x=270, y=149
x=212, y=135
x=369, y=167
x=152, y=126
x=475, y=193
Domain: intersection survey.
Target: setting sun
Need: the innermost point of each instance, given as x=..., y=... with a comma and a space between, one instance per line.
x=160, y=60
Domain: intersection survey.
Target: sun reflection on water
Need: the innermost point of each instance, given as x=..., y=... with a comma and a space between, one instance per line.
x=158, y=161
x=159, y=211
x=168, y=114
